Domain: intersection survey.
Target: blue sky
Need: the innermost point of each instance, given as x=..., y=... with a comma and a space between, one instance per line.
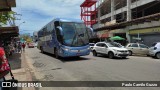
x=37, y=13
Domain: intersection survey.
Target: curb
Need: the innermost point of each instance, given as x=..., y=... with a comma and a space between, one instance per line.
x=27, y=71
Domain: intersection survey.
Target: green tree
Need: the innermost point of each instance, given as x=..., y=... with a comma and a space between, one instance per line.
x=26, y=37
x=6, y=16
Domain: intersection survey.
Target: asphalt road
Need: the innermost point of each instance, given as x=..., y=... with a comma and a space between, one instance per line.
x=44, y=67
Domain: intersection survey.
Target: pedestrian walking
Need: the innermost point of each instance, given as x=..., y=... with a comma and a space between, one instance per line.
x=19, y=47
x=16, y=47
x=7, y=49
x=11, y=47
x=23, y=46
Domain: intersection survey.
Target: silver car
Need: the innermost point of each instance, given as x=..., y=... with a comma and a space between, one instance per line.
x=137, y=48
x=154, y=51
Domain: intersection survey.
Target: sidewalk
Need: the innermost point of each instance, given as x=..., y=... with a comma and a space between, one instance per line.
x=20, y=68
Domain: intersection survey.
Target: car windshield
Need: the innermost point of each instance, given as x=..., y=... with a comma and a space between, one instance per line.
x=117, y=44
x=91, y=44
x=113, y=45
x=74, y=34
x=154, y=44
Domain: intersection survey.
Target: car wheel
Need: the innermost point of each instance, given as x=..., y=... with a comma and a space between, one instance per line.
x=56, y=53
x=110, y=55
x=158, y=55
x=130, y=53
x=94, y=53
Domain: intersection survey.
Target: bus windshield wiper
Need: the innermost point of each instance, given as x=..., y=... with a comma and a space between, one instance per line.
x=73, y=39
x=79, y=35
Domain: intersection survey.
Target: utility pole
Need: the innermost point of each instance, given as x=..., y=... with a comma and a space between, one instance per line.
x=112, y=9
x=128, y=10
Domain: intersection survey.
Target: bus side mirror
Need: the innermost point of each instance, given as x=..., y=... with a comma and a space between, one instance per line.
x=90, y=32
x=59, y=33
x=60, y=30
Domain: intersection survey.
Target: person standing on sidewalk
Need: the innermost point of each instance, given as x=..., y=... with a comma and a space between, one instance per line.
x=23, y=46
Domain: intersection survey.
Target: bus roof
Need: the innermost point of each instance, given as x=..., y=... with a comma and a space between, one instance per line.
x=64, y=20
x=68, y=20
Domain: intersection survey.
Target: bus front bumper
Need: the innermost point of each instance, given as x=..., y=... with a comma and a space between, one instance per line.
x=73, y=53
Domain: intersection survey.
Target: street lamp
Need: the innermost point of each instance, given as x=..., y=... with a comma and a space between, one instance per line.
x=19, y=26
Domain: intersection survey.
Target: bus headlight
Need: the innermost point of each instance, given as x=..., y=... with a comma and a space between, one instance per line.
x=88, y=48
x=65, y=49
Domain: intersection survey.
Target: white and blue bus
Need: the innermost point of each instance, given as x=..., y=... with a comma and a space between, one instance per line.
x=64, y=38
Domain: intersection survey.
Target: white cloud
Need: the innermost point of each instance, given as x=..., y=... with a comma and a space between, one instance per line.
x=36, y=13
x=62, y=8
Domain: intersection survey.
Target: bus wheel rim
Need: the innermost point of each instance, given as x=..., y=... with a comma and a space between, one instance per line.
x=158, y=55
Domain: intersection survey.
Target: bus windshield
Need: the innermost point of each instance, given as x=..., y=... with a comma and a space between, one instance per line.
x=74, y=34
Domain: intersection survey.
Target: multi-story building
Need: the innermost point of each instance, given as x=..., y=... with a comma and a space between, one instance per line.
x=130, y=19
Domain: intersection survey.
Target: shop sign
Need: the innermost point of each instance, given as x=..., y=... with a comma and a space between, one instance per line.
x=147, y=30
x=100, y=33
x=118, y=31
x=136, y=38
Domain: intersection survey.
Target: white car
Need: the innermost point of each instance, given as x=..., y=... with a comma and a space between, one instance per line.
x=154, y=51
x=35, y=44
x=110, y=49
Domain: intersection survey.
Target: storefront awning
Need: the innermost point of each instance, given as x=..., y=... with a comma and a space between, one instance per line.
x=105, y=35
x=5, y=5
x=9, y=30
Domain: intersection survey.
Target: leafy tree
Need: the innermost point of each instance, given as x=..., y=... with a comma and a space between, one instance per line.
x=6, y=16
x=26, y=38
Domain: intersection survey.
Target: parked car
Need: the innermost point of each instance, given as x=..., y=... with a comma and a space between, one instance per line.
x=137, y=48
x=91, y=45
x=35, y=44
x=31, y=45
x=110, y=49
x=154, y=51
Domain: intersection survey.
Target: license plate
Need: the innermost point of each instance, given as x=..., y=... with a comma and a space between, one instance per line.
x=124, y=53
x=78, y=53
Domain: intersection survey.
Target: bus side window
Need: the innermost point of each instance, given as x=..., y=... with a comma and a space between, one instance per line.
x=52, y=28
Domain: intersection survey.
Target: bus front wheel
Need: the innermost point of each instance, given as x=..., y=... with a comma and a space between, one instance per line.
x=56, y=53
x=41, y=49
